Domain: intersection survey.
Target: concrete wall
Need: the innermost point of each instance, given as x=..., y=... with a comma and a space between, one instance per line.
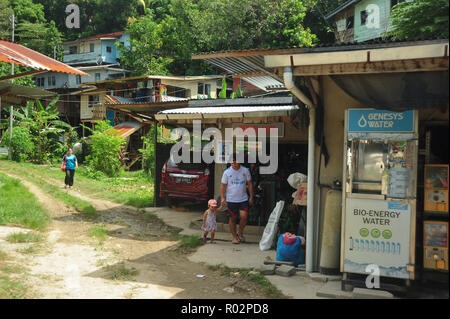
x=192, y=87
x=60, y=80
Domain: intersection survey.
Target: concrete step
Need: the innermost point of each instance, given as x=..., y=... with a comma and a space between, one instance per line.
x=362, y=293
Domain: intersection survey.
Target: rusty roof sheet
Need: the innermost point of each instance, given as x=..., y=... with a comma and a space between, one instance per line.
x=17, y=54
x=126, y=129
x=106, y=35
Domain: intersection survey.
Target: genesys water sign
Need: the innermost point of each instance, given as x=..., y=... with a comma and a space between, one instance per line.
x=380, y=121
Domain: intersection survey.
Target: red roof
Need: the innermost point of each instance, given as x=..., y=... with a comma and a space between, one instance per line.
x=17, y=54
x=106, y=35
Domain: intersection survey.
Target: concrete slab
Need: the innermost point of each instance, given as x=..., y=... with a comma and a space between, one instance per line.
x=244, y=255
x=286, y=271
x=184, y=220
x=267, y=269
x=362, y=293
x=323, y=278
x=333, y=290
x=296, y=287
x=230, y=255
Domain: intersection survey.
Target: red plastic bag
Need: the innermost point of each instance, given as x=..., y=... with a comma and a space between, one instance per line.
x=289, y=239
x=64, y=164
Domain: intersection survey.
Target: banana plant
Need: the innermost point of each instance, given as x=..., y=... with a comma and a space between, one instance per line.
x=223, y=92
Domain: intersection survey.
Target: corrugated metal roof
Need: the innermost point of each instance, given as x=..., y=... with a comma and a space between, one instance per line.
x=106, y=35
x=244, y=65
x=127, y=128
x=157, y=77
x=340, y=8
x=17, y=54
x=17, y=95
x=321, y=47
x=226, y=112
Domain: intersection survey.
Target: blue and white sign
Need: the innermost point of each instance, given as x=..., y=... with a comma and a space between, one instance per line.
x=380, y=121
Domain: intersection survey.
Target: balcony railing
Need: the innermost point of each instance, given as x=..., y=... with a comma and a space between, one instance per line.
x=98, y=112
x=91, y=57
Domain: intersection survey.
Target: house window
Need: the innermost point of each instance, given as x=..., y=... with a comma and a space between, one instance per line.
x=49, y=81
x=92, y=47
x=78, y=79
x=108, y=49
x=41, y=82
x=73, y=49
x=97, y=76
x=204, y=89
x=53, y=80
x=93, y=99
x=349, y=22
x=364, y=16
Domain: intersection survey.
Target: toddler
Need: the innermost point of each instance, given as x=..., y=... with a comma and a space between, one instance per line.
x=209, y=220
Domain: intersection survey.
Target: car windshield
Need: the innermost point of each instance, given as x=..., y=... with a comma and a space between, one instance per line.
x=186, y=166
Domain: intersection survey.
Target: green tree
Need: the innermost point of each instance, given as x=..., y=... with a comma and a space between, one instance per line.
x=148, y=151
x=21, y=145
x=144, y=53
x=105, y=145
x=5, y=23
x=31, y=28
x=420, y=19
x=45, y=128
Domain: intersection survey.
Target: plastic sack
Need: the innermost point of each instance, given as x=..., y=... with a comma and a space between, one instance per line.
x=296, y=179
x=292, y=252
x=271, y=227
x=289, y=239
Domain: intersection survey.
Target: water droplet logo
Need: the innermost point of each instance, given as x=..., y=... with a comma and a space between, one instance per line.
x=362, y=121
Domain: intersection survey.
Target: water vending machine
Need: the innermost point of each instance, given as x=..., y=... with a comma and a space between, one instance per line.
x=379, y=193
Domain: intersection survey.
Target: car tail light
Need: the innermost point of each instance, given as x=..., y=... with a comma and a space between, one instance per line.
x=164, y=169
x=207, y=172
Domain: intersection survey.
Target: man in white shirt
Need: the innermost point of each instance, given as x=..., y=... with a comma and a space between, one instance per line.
x=234, y=183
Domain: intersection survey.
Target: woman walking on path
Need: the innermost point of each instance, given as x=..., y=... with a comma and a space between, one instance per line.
x=70, y=162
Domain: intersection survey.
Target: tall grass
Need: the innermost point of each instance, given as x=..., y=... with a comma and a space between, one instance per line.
x=130, y=188
x=19, y=206
x=29, y=174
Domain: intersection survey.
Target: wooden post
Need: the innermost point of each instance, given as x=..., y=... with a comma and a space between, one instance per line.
x=155, y=180
x=11, y=109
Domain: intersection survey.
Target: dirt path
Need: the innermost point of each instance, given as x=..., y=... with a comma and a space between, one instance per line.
x=74, y=265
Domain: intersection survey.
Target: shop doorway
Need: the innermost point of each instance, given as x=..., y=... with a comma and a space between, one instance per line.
x=292, y=158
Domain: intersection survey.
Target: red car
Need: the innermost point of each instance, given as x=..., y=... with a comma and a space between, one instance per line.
x=191, y=181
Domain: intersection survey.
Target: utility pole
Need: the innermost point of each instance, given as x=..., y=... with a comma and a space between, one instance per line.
x=11, y=108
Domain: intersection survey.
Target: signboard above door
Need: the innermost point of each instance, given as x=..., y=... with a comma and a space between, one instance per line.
x=268, y=127
x=380, y=121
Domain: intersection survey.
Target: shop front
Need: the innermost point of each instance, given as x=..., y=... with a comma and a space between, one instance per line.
x=385, y=126
x=253, y=115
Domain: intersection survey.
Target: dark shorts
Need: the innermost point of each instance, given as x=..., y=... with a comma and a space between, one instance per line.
x=235, y=208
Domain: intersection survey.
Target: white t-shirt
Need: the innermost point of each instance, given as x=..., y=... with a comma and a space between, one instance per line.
x=236, y=181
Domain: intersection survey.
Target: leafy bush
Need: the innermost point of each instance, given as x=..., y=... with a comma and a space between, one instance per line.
x=148, y=152
x=420, y=19
x=21, y=144
x=105, y=146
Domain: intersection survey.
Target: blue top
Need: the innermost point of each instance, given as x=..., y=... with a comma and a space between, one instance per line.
x=70, y=161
